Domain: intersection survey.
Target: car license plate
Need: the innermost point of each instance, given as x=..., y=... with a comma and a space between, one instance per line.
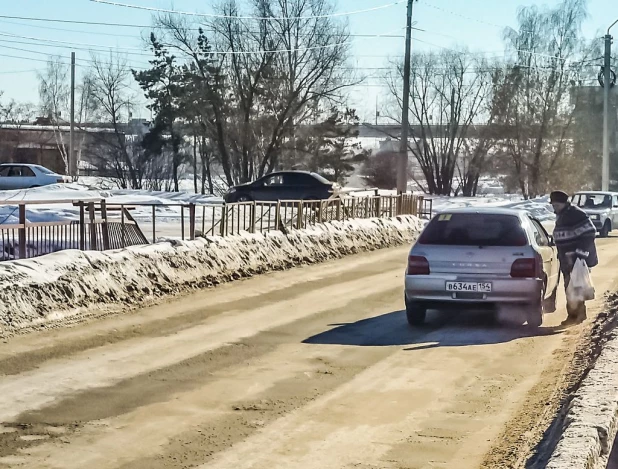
x=481, y=287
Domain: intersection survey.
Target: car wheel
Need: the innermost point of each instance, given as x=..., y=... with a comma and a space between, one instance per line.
x=534, y=315
x=607, y=228
x=549, y=304
x=415, y=313
x=243, y=198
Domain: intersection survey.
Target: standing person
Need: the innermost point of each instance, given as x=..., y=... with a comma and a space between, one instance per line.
x=574, y=235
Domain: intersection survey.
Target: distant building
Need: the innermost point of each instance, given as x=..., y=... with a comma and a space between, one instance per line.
x=45, y=144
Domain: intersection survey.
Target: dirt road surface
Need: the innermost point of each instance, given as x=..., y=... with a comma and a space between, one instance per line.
x=310, y=368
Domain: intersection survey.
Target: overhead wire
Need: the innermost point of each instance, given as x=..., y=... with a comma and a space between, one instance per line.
x=214, y=52
x=237, y=17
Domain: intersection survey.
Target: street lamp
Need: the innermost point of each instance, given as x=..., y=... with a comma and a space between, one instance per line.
x=606, y=86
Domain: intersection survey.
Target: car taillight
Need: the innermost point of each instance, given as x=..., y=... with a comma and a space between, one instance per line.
x=526, y=268
x=418, y=265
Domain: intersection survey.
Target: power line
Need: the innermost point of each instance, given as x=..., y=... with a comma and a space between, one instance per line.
x=132, y=36
x=11, y=72
x=233, y=17
x=453, y=13
x=75, y=47
x=300, y=49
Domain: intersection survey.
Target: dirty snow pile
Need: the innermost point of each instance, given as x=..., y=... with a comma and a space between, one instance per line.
x=591, y=422
x=67, y=286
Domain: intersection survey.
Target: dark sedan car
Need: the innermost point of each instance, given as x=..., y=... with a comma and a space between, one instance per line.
x=283, y=185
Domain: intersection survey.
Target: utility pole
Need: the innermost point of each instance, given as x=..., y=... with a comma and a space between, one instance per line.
x=72, y=158
x=402, y=169
x=377, y=112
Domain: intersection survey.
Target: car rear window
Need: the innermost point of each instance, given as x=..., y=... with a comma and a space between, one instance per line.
x=44, y=170
x=474, y=229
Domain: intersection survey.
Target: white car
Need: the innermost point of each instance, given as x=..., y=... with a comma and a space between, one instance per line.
x=15, y=176
x=482, y=257
x=601, y=207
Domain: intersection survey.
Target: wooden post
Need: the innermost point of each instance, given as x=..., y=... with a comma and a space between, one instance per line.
x=154, y=224
x=105, y=226
x=203, y=220
x=299, y=216
x=22, y=232
x=223, y=220
x=252, y=215
x=182, y=221
x=93, y=227
x=338, y=210
x=82, y=227
x=366, y=208
x=278, y=216
x=379, y=207
x=192, y=222
x=122, y=227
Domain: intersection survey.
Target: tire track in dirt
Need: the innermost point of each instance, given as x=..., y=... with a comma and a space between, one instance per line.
x=194, y=376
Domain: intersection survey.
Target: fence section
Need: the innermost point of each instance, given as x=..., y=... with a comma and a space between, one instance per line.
x=287, y=215
x=96, y=225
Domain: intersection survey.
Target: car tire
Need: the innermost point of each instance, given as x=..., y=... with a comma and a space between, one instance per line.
x=415, y=313
x=607, y=228
x=534, y=316
x=549, y=304
x=243, y=198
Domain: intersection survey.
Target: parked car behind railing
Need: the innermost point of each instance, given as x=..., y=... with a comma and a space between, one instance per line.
x=15, y=176
x=284, y=185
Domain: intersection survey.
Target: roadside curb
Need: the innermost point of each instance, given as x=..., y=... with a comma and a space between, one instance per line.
x=591, y=421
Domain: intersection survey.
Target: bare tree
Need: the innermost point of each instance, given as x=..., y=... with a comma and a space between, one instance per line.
x=549, y=58
x=273, y=77
x=448, y=92
x=54, y=96
x=111, y=93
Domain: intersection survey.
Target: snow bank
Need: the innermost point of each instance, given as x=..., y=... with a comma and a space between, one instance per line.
x=591, y=422
x=70, y=285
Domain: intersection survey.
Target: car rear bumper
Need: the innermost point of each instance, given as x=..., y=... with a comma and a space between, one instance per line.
x=432, y=288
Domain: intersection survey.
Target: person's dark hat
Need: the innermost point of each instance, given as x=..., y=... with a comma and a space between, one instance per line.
x=558, y=197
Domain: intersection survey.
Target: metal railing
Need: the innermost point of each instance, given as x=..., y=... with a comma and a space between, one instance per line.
x=97, y=225
x=287, y=215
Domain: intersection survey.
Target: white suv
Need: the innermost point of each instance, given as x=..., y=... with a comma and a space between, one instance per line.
x=601, y=207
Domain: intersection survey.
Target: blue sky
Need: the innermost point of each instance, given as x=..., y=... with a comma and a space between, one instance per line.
x=475, y=24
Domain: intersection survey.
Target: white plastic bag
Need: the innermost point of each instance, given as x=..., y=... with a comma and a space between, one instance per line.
x=580, y=287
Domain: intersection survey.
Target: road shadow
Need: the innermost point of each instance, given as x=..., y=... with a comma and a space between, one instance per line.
x=442, y=330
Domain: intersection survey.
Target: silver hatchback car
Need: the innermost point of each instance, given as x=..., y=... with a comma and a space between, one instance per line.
x=476, y=257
